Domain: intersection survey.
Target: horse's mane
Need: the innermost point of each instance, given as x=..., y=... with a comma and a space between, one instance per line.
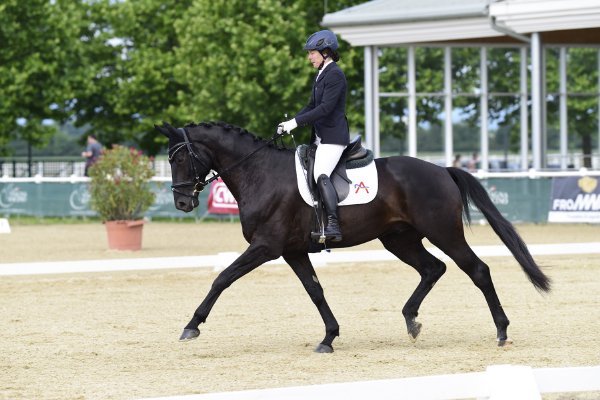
x=233, y=129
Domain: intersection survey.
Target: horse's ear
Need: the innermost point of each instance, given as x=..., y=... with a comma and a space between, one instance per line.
x=162, y=130
x=167, y=130
x=172, y=131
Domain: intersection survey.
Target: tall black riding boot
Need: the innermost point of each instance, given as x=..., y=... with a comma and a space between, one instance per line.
x=330, y=200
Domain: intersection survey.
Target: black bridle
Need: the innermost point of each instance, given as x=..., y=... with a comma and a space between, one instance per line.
x=198, y=184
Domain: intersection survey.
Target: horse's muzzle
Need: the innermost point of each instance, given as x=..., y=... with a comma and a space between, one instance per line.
x=186, y=203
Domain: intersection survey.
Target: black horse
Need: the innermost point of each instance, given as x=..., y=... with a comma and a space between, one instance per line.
x=416, y=200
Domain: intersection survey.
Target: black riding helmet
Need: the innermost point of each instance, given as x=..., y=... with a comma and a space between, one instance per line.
x=321, y=40
x=325, y=42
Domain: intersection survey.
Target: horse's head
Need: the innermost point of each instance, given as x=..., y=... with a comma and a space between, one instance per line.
x=189, y=167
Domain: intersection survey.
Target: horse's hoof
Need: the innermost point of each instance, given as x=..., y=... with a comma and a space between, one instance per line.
x=189, y=334
x=504, y=342
x=414, y=329
x=323, y=348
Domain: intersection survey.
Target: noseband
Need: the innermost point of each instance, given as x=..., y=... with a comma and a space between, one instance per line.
x=198, y=184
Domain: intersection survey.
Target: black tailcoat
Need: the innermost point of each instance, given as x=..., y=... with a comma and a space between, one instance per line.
x=326, y=110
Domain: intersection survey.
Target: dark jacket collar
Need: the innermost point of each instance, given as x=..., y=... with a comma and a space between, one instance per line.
x=331, y=66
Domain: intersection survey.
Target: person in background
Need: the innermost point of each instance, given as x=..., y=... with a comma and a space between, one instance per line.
x=457, y=163
x=92, y=152
x=472, y=164
x=326, y=112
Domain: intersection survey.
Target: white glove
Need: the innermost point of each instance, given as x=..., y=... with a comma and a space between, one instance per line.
x=287, y=126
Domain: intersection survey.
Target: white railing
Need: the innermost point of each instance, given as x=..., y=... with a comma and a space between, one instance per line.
x=65, y=169
x=218, y=262
x=165, y=176
x=70, y=179
x=162, y=168
x=533, y=174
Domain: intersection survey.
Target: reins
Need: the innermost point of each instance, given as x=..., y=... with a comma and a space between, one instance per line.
x=198, y=183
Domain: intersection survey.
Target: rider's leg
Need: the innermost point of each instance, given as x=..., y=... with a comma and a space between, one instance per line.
x=326, y=158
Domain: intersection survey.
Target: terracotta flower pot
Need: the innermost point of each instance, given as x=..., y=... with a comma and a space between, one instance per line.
x=124, y=235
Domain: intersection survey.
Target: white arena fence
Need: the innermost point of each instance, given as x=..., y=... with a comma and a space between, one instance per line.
x=221, y=260
x=62, y=169
x=76, y=167
x=498, y=382
x=163, y=174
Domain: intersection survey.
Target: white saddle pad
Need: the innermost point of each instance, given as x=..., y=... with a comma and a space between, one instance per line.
x=362, y=189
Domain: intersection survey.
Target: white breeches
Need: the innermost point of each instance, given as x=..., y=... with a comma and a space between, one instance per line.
x=326, y=158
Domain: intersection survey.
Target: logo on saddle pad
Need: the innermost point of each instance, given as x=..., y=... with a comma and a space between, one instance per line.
x=363, y=183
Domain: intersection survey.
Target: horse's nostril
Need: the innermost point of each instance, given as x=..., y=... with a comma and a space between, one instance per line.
x=181, y=204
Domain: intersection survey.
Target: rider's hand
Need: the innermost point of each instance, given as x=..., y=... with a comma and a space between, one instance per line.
x=287, y=126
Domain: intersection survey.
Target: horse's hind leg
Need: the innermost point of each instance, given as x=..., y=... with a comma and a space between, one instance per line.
x=447, y=234
x=453, y=243
x=303, y=268
x=479, y=273
x=409, y=249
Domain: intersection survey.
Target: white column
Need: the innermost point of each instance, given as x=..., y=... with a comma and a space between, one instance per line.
x=375, y=83
x=544, y=108
x=524, y=113
x=448, y=134
x=536, y=101
x=484, y=145
x=369, y=134
x=412, y=103
x=562, y=73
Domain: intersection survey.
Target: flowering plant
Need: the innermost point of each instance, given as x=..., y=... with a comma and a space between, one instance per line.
x=120, y=187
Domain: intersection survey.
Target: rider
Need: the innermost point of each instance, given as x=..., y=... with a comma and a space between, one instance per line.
x=326, y=112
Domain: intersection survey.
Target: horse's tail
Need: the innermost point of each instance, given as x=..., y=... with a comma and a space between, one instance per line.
x=472, y=191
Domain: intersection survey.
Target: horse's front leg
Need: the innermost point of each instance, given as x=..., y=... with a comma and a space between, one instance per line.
x=253, y=257
x=303, y=268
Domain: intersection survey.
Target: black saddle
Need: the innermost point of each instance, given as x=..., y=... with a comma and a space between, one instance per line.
x=354, y=156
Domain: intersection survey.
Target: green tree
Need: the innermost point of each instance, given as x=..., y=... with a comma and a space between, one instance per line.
x=147, y=61
x=124, y=81
x=118, y=67
x=37, y=41
x=122, y=66
x=245, y=65
x=241, y=62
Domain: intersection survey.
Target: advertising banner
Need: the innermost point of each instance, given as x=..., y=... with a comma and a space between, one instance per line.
x=220, y=199
x=53, y=199
x=517, y=199
x=45, y=199
x=575, y=199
